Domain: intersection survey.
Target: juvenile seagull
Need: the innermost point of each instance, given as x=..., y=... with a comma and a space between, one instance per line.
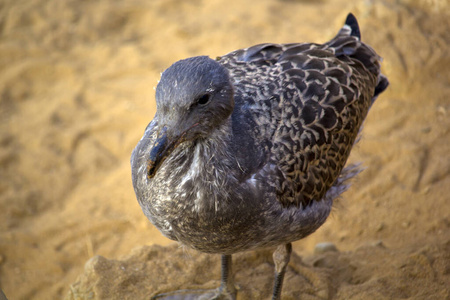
x=247, y=151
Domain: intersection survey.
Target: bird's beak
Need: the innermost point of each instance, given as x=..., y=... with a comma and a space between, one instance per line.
x=162, y=148
x=164, y=145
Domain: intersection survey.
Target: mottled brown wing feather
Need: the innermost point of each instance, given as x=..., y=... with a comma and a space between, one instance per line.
x=309, y=101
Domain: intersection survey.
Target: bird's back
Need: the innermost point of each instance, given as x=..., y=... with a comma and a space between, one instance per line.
x=307, y=102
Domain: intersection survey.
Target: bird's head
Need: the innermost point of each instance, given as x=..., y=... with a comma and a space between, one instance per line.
x=193, y=97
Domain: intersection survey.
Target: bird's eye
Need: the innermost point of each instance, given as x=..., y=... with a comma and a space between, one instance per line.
x=204, y=99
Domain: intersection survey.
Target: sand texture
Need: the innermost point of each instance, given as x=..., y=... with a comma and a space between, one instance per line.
x=77, y=85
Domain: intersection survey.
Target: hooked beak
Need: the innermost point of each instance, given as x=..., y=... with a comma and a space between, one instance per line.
x=162, y=148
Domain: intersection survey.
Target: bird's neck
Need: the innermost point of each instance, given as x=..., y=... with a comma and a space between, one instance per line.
x=206, y=170
x=211, y=156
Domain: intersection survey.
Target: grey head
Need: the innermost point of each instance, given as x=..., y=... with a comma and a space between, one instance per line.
x=193, y=98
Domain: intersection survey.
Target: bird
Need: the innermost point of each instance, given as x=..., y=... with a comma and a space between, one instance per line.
x=249, y=150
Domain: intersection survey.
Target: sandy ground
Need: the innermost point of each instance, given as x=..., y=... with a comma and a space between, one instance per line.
x=76, y=88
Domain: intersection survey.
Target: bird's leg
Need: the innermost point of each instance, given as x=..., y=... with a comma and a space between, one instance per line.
x=281, y=258
x=227, y=281
x=226, y=291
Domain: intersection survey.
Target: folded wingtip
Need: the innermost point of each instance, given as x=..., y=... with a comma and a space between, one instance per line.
x=353, y=24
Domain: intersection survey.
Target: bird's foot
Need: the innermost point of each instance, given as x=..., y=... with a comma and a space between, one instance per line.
x=198, y=294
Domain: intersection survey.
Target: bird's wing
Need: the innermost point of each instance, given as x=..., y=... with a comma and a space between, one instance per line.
x=308, y=102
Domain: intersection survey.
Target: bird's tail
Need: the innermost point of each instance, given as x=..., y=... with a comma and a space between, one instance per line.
x=348, y=43
x=350, y=28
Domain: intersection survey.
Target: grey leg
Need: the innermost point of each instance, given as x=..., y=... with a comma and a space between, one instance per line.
x=227, y=282
x=281, y=258
x=226, y=291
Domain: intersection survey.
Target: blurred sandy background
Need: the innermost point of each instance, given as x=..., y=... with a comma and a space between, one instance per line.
x=77, y=85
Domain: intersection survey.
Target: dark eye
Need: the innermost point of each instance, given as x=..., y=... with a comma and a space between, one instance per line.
x=202, y=100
